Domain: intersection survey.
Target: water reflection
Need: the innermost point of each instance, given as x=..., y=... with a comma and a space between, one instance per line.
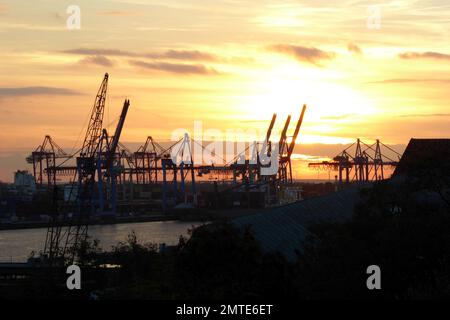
x=16, y=245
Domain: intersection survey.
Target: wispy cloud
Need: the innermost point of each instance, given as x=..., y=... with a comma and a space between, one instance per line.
x=193, y=55
x=34, y=91
x=340, y=117
x=303, y=54
x=420, y=115
x=118, y=13
x=175, y=67
x=104, y=52
x=409, y=80
x=424, y=55
x=353, y=48
x=97, y=60
x=32, y=27
x=189, y=55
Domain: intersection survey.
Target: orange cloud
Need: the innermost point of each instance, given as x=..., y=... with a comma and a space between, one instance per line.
x=98, y=60
x=118, y=13
x=303, y=54
x=351, y=47
x=425, y=55
x=175, y=67
x=35, y=91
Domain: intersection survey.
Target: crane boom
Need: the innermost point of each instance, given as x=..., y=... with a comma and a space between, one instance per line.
x=117, y=134
x=283, y=135
x=297, y=129
x=269, y=131
x=94, y=130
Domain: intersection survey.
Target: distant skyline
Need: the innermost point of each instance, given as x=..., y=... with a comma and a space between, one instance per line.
x=227, y=63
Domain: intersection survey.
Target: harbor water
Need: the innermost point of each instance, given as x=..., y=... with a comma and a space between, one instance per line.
x=16, y=245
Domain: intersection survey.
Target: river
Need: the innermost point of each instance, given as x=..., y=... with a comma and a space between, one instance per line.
x=16, y=245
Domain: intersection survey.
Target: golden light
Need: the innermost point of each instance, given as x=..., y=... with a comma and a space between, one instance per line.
x=285, y=89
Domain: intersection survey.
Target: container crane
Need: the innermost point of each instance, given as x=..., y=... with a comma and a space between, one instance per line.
x=43, y=159
x=286, y=150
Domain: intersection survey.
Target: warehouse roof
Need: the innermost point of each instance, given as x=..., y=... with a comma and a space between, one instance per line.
x=284, y=228
x=425, y=155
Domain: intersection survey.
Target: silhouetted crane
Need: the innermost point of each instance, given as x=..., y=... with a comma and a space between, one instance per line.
x=43, y=159
x=366, y=163
x=96, y=159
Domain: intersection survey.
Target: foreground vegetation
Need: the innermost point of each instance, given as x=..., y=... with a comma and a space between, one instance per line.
x=409, y=240
x=393, y=227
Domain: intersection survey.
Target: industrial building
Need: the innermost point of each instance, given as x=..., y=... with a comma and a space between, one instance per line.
x=424, y=166
x=285, y=228
x=425, y=157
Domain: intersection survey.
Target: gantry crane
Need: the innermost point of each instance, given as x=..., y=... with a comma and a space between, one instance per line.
x=286, y=150
x=108, y=167
x=43, y=159
x=146, y=161
x=366, y=163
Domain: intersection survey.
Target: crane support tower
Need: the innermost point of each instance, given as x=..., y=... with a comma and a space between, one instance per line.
x=93, y=186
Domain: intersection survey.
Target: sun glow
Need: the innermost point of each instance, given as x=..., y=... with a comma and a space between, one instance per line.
x=285, y=90
x=285, y=94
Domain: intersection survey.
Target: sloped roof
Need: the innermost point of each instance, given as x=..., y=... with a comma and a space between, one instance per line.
x=284, y=228
x=424, y=155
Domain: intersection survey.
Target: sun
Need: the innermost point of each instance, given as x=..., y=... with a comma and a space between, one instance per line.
x=285, y=89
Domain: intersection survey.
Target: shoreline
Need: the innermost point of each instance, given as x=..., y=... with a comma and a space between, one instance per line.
x=185, y=216
x=117, y=220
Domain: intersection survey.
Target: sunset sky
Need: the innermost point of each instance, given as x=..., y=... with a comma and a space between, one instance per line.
x=227, y=63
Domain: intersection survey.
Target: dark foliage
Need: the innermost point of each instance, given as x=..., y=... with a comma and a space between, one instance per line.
x=410, y=242
x=221, y=262
x=404, y=228
x=407, y=237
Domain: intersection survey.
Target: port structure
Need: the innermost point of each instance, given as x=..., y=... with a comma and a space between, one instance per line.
x=360, y=162
x=152, y=168
x=44, y=159
x=104, y=177
x=145, y=161
x=104, y=174
x=286, y=149
x=93, y=185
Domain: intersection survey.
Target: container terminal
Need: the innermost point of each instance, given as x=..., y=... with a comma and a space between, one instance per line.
x=106, y=182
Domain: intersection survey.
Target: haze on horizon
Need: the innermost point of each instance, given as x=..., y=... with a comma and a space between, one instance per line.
x=229, y=63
